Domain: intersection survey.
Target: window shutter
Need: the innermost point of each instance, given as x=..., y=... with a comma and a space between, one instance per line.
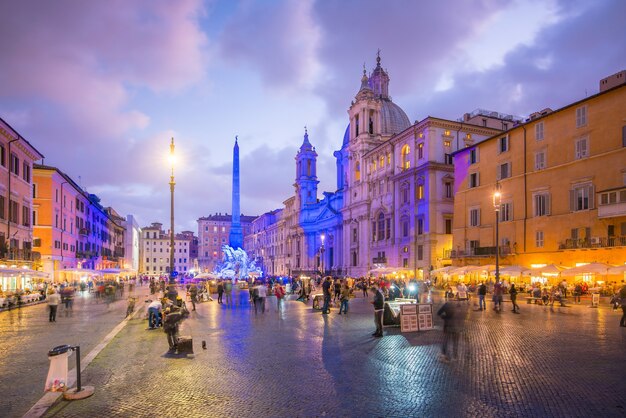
x=547, y=204
x=587, y=233
x=499, y=172
x=572, y=200
x=477, y=217
x=574, y=233
x=584, y=149
x=592, y=196
x=624, y=136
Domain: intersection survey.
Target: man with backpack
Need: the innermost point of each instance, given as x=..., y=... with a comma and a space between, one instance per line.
x=482, y=292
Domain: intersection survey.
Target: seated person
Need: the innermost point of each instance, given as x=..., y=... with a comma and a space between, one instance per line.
x=536, y=292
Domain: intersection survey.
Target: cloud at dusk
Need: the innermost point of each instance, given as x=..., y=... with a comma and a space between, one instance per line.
x=100, y=87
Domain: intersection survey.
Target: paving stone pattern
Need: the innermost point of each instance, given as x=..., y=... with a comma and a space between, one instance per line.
x=564, y=362
x=26, y=336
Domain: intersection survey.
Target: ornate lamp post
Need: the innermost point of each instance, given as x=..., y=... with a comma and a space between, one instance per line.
x=171, y=292
x=497, y=202
x=322, y=237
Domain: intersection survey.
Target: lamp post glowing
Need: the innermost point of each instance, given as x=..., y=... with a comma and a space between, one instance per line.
x=497, y=202
x=322, y=237
x=172, y=293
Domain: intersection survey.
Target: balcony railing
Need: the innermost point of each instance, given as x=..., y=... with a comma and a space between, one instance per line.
x=593, y=242
x=379, y=260
x=17, y=254
x=480, y=252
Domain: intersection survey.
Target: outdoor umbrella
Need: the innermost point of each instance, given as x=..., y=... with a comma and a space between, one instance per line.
x=447, y=269
x=591, y=268
x=549, y=270
x=514, y=271
x=618, y=270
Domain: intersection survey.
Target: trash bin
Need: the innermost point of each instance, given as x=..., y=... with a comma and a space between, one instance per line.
x=57, y=374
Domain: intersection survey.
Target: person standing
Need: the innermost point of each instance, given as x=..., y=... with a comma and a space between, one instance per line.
x=193, y=295
x=451, y=316
x=578, y=290
x=364, y=288
x=170, y=326
x=228, y=291
x=622, y=295
x=498, y=292
x=220, y=291
x=513, y=295
x=279, y=292
x=379, y=308
x=337, y=288
x=53, y=303
x=345, y=297
x=482, y=292
x=326, y=289
x=262, y=296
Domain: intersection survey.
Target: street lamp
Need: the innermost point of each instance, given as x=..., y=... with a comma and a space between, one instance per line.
x=322, y=237
x=497, y=202
x=172, y=293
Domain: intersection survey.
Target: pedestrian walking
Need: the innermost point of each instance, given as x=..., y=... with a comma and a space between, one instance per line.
x=453, y=320
x=513, y=295
x=578, y=290
x=220, y=291
x=279, y=292
x=379, y=307
x=53, y=303
x=364, y=288
x=482, y=292
x=228, y=291
x=337, y=288
x=344, y=298
x=326, y=289
x=262, y=295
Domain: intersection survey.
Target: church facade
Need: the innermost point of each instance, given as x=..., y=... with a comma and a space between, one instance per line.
x=393, y=206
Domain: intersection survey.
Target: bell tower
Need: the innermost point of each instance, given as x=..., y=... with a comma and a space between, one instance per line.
x=306, y=173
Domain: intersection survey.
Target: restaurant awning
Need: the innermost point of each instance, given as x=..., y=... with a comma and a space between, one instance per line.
x=591, y=268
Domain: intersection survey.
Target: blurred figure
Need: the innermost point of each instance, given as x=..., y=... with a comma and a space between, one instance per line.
x=482, y=292
x=53, y=303
x=220, y=291
x=513, y=295
x=498, y=292
x=344, y=298
x=379, y=308
x=453, y=315
x=193, y=294
x=228, y=291
x=622, y=295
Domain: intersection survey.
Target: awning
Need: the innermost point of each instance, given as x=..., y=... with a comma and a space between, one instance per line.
x=551, y=270
x=591, y=268
x=81, y=271
x=618, y=270
x=18, y=272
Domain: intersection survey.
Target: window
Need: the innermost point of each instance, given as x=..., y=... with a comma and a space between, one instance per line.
x=503, y=144
x=2, y=205
x=504, y=171
x=610, y=198
x=581, y=116
x=582, y=148
x=405, y=228
x=25, y=215
x=539, y=239
x=474, y=217
x=13, y=211
x=405, y=194
x=506, y=212
x=541, y=204
x=420, y=252
x=473, y=180
x=447, y=190
x=447, y=159
x=405, y=262
x=356, y=125
x=420, y=226
x=381, y=226
x=15, y=164
x=406, y=163
x=623, y=136
x=382, y=161
x=357, y=171
x=581, y=198
x=420, y=150
x=446, y=132
x=468, y=136
x=420, y=192
x=388, y=230
x=3, y=156
x=540, y=160
x=355, y=236
x=355, y=257
x=448, y=226
x=34, y=217
x=473, y=156
x=447, y=143
x=26, y=172
x=539, y=131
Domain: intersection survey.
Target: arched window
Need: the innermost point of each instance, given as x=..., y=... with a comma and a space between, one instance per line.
x=381, y=226
x=406, y=163
x=356, y=125
x=371, y=123
x=357, y=171
x=308, y=168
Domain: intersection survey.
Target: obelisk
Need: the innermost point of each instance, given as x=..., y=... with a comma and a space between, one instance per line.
x=236, y=235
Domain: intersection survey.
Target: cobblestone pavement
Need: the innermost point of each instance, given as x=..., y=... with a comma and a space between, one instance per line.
x=26, y=336
x=565, y=362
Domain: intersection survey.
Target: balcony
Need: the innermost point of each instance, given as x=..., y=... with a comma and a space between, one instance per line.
x=480, y=252
x=593, y=242
x=83, y=231
x=22, y=255
x=379, y=260
x=612, y=203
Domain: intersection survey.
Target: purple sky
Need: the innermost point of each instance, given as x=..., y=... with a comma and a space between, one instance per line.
x=100, y=87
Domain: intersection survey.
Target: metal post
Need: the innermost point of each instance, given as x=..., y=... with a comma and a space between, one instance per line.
x=497, y=201
x=78, y=382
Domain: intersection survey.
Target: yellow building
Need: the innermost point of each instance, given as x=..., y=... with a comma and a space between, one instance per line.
x=562, y=181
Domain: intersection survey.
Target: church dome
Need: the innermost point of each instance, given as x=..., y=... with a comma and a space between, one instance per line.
x=346, y=137
x=393, y=118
